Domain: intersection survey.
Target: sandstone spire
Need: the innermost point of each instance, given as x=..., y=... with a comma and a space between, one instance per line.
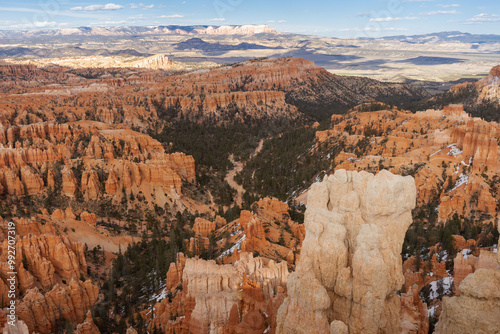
x=350, y=267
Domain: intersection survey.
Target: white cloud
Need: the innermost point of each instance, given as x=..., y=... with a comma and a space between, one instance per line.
x=95, y=8
x=141, y=5
x=418, y=0
x=218, y=19
x=392, y=19
x=364, y=14
x=137, y=17
x=174, y=16
x=449, y=6
x=483, y=18
x=44, y=24
x=441, y=12
x=32, y=25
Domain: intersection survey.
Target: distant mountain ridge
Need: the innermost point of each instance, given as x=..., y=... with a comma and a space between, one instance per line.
x=247, y=29
x=447, y=36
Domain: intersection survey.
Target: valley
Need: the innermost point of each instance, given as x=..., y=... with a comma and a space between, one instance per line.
x=236, y=179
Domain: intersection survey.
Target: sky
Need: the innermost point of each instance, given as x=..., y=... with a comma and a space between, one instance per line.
x=334, y=18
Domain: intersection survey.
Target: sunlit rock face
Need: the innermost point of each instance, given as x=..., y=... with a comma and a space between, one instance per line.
x=350, y=267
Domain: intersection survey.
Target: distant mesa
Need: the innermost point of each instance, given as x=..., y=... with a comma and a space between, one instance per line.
x=199, y=44
x=423, y=60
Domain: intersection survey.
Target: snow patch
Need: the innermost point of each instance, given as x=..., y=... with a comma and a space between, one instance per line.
x=466, y=253
x=454, y=150
x=445, y=282
x=432, y=311
x=236, y=246
x=462, y=179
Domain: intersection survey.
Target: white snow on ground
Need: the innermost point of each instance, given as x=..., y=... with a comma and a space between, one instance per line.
x=466, y=253
x=237, y=232
x=160, y=296
x=454, y=150
x=461, y=180
x=446, y=282
x=470, y=162
x=236, y=246
x=431, y=311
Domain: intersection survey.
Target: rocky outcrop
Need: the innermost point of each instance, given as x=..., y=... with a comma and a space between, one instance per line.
x=203, y=227
x=414, y=315
x=89, y=218
x=48, y=258
x=463, y=265
x=69, y=183
x=477, y=308
x=91, y=187
x=221, y=298
x=88, y=326
x=488, y=87
x=350, y=268
x=41, y=312
x=174, y=274
x=477, y=140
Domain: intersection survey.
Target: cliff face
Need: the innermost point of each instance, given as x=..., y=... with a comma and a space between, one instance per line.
x=350, y=266
x=489, y=87
x=249, y=92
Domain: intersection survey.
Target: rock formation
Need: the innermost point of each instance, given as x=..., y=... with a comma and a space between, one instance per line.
x=88, y=326
x=220, y=298
x=453, y=160
x=49, y=269
x=40, y=311
x=477, y=308
x=350, y=268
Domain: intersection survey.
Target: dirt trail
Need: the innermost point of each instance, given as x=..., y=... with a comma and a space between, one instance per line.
x=238, y=167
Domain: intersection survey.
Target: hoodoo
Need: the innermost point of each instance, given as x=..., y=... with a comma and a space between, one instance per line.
x=350, y=267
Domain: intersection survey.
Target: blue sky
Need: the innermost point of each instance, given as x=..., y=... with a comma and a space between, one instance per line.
x=359, y=18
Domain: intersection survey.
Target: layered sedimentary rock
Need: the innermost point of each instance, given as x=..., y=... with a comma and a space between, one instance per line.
x=488, y=87
x=350, y=268
x=477, y=141
x=453, y=157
